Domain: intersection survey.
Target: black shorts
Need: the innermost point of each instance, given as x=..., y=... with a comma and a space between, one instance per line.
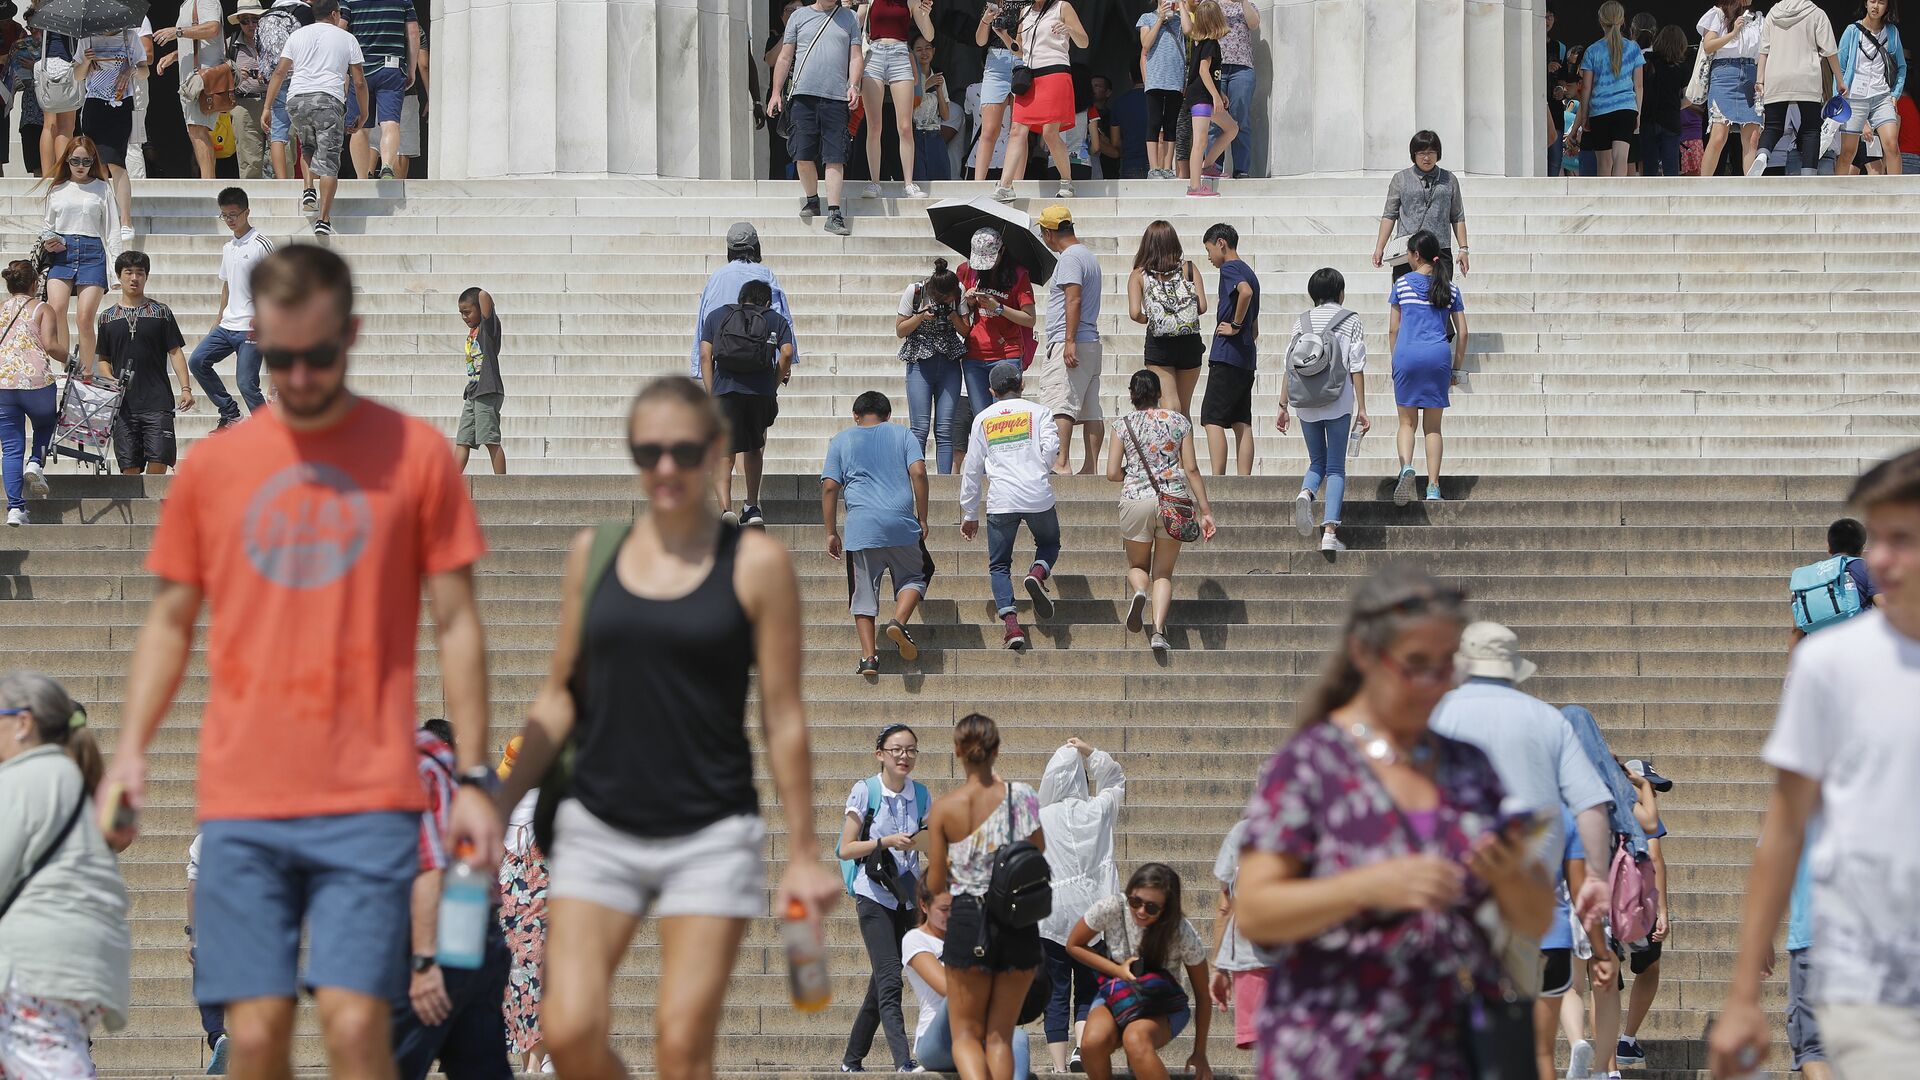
x=1164, y=109
x=975, y=942
x=749, y=415
x=1229, y=397
x=1182, y=353
x=110, y=127
x=1609, y=128
x=141, y=439
x=1643, y=957
x=1556, y=975
x=818, y=129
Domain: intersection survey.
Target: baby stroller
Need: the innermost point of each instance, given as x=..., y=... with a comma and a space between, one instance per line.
x=85, y=427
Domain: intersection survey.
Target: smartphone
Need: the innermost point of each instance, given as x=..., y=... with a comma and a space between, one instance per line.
x=115, y=813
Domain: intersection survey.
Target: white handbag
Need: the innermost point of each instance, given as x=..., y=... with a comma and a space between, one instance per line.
x=1697, y=86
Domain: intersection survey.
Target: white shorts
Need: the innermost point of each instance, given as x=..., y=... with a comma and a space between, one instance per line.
x=719, y=870
x=1072, y=392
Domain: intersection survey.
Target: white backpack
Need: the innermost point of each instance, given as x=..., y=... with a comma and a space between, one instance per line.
x=1172, y=305
x=1317, y=365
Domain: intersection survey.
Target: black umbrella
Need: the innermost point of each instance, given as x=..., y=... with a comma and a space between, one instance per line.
x=80, y=18
x=956, y=220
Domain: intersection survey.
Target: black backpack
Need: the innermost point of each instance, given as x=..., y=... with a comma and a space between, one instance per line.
x=1020, y=892
x=743, y=344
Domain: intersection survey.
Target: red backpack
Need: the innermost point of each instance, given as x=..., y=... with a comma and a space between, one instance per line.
x=1635, y=898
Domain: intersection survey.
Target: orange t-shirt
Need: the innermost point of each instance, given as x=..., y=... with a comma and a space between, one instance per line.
x=311, y=548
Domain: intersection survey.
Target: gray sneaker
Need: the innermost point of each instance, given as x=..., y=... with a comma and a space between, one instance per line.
x=837, y=223
x=1160, y=643
x=810, y=208
x=1403, y=490
x=1003, y=194
x=1303, y=513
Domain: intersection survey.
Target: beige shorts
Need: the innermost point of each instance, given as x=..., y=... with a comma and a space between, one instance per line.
x=1140, y=521
x=1072, y=392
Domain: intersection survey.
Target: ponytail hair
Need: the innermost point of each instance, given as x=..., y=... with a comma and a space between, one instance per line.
x=57, y=720
x=1612, y=17
x=1426, y=246
x=1383, y=606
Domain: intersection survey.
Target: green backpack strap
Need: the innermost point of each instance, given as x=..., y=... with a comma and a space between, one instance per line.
x=557, y=784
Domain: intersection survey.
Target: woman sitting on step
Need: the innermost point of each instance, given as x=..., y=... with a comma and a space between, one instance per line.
x=921, y=951
x=1140, y=1007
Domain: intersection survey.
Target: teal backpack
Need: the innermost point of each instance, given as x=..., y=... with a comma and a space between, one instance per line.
x=850, y=868
x=1825, y=594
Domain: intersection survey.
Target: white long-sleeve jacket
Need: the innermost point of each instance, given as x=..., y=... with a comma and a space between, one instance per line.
x=1013, y=443
x=1079, y=821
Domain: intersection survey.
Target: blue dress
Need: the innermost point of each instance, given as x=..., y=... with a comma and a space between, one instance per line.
x=1422, y=355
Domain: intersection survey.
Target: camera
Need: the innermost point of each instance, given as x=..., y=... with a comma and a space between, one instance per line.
x=1010, y=15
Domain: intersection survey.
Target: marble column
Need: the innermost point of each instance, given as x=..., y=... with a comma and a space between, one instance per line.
x=531, y=88
x=1347, y=82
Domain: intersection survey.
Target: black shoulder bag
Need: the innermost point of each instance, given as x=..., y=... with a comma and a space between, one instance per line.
x=1020, y=892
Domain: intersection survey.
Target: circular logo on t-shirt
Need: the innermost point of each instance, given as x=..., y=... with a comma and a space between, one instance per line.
x=307, y=526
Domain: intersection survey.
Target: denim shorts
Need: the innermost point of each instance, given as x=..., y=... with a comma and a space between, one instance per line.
x=282, y=123
x=996, y=81
x=83, y=263
x=1178, y=1021
x=347, y=877
x=889, y=62
x=1872, y=112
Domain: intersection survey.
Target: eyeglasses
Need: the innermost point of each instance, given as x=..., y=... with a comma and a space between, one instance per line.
x=319, y=357
x=1146, y=907
x=232, y=215
x=686, y=455
x=901, y=751
x=1435, y=675
x=23, y=712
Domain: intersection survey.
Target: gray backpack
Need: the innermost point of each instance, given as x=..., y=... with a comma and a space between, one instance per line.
x=1317, y=363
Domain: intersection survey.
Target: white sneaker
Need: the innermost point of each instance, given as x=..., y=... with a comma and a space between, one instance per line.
x=36, y=480
x=16, y=517
x=871, y=191
x=1580, y=1061
x=1759, y=165
x=913, y=192
x=1065, y=191
x=1330, y=542
x=1003, y=194
x=1303, y=513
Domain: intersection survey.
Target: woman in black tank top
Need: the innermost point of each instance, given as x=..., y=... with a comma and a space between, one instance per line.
x=649, y=677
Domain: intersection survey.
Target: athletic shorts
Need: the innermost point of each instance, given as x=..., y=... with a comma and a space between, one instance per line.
x=1609, y=128
x=1249, y=997
x=141, y=439
x=749, y=415
x=910, y=565
x=1229, y=397
x=319, y=123
x=1556, y=976
x=718, y=870
x=976, y=943
x=1072, y=392
x=1643, y=957
x=480, y=421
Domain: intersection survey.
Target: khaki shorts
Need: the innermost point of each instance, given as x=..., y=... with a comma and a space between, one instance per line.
x=1072, y=392
x=480, y=421
x=1140, y=521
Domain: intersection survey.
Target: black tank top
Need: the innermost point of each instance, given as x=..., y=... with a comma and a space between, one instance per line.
x=663, y=746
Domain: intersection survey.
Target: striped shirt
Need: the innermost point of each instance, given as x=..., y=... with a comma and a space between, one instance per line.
x=381, y=27
x=112, y=55
x=436, y=778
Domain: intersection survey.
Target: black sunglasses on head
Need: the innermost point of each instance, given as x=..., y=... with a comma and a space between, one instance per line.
x=686, y=455
x=319, y=357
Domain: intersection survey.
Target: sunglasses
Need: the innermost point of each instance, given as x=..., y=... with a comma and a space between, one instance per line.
x=1146, y=907
x=686, y=455
x=319, y=357
x=81, y=162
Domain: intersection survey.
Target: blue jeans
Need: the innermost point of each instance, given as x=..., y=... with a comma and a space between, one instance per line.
x=1555, y=156
x=215, y=347
x=1659, y=151
x=1327, y=459
x=471, y=1043
x=934, y=1048
x=1001, y=529
x=1070, y=991
x=933, y=396
x=18, y=408
x=979, y=391
x=1238, y=84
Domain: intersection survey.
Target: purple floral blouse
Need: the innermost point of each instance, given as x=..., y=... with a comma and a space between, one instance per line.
x=1376, y=996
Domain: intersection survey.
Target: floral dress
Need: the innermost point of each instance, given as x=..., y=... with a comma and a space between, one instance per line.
x=523, y=918
x=1375, y=996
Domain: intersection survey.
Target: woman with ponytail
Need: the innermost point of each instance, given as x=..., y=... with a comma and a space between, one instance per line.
x=933, y=328
x=1372, y=847
x=65, y=950
x=1612, y=89
x=1428, y=329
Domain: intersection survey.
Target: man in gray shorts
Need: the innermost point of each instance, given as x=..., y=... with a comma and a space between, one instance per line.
x=883, y=471
x=313, y=71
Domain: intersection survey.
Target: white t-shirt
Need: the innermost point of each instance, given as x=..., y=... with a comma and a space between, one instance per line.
x=1869, y=71
x=1111, y=919
x=1355, y=337
x=917, y=942
x=1847, y=721
x=1744, y=47
x=321, y=55
x=204, y=54
x=1236, y=952
x=237, y=260
x=193, y=859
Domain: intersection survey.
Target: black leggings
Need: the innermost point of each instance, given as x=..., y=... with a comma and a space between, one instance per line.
x=1808, y=135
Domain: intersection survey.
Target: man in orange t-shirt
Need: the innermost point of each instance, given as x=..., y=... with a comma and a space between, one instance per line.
x=308, y=529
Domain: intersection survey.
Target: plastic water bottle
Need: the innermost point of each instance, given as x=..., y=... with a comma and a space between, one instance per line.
x=807, y=982
x=1353, y=444
x=465, y=908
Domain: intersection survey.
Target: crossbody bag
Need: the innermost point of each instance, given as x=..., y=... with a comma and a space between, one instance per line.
x=1177, y=513
x=782, y=124
x=39, y=864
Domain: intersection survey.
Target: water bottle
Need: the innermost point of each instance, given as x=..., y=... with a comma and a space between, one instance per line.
x=807, y=982
x=465, y=909
x=1353, y=444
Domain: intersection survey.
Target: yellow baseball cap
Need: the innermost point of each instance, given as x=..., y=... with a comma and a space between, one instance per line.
x=1055, y=216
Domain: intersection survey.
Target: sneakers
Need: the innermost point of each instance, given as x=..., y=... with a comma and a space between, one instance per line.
x=1330, y=542
x=309, y=201
x=752, y=518
x=36, y=480
x=1580, y=1061
x=844, y=1067
x=837, y=223
x=1433, y=493
x=809, y=208
x=913, y=191
x=1136, y=611
x=386, y=173
x=729, y=517
x=1016, y=638
x=1213, y=172
x=1037, y=591
x=1759, y=165
x=871, y=191
x=1074, y=1064
x=1629, y=1054
x=1403, y=488
x=1002, y=194
x=217, y=1066
x=323, y=227
x=1065, y=190
x=869, y=667
x=909, y=649
x=17, y=517
x=1159, y=642
x=1303, y=513
x=1202, y=193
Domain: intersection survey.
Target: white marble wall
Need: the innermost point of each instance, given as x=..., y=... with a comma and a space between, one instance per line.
x=526, y=88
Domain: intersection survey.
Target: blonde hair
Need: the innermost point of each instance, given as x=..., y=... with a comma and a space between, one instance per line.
x=1612, y=17
x=1209, y=22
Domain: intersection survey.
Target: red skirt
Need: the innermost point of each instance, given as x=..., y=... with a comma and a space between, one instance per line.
x=1049, y=102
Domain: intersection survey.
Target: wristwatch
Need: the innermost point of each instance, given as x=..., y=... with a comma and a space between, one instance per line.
x=479, y=776
x=423, y=963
